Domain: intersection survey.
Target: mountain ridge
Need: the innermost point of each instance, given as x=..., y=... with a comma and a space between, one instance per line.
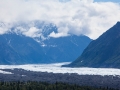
x=17, y=48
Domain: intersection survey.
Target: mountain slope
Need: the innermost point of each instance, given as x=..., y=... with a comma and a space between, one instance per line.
x=19, y=49
x=65, y=49
x=102, y=52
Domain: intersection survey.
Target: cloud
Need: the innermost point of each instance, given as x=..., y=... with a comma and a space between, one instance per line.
x=4, y=27
x=32, y=32
x=57, y=35
x=70, y=16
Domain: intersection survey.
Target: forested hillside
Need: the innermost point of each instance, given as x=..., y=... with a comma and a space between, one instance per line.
x=45, y=86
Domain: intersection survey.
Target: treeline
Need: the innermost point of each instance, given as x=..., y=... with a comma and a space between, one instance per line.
x=32, y=85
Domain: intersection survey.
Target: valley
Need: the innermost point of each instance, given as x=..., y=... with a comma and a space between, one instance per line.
x=51, y=73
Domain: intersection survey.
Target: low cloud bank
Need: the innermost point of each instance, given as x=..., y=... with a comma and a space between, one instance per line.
x=70, y=16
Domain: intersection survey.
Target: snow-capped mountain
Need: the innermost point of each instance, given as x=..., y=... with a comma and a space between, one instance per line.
x=31, y=43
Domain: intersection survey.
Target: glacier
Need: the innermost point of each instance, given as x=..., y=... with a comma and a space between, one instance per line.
x=57, y=68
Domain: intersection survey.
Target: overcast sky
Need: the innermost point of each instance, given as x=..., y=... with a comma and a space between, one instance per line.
x=87, y=17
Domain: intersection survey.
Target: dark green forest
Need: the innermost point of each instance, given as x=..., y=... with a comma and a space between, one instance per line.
x=32, y=85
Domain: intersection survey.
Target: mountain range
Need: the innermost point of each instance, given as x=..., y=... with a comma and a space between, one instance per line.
x=103, y=52
x=17, y=48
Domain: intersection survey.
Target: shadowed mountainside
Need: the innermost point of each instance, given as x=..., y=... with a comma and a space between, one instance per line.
x=102, y=52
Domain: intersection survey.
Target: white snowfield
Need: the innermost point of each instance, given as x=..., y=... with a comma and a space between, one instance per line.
x=56, y=68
